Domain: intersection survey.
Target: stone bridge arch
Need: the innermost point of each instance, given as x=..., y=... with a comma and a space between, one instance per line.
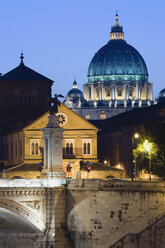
x=100, y=215
x=12, y=211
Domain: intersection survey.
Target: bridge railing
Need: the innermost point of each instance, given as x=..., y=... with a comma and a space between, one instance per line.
x=50, y=183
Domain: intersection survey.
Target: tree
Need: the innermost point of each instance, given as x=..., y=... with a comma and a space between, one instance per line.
x=151, y=148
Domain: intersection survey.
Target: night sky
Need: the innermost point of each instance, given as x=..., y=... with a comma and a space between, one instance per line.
x=59, y=38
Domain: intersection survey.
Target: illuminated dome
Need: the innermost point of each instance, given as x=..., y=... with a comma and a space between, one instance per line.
x=117, y=61
x=75, y=92
x=74, y=97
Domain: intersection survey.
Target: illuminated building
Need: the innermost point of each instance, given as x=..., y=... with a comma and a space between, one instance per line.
x=117, y=80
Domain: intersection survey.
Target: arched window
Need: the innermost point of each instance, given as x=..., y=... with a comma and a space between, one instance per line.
x=26, y=100
x=36, y=148
x=67, y=148
x=85, y=148
x=71, y=148
x=4, y=102
x=88, y=148
x=32, y=148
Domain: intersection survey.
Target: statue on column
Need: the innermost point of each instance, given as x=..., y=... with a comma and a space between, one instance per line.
x=54, y=103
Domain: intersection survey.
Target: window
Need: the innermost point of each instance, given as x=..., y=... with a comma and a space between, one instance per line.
x=108, y=92
x=11, y=149
x=20, y=148
x=103, y=116
x=87, y=116
x=131, y=92
x=26, y=100
x=119, y=91
x=69, y=147
x=62, y=119
x=34, y=147
x=16, y=149
x=4, y=102
x=86, y=146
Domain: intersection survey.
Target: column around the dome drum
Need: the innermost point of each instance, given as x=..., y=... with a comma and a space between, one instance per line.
x=112, y=90
x=102, y=92
x=139, y=92
x=147, y=92
x=92, y=92
x=115, y=92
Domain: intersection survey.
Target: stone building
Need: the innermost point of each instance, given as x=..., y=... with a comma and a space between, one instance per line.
x=23, y=148
x=117, y=80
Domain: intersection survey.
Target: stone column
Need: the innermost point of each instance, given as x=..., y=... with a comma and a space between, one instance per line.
x=147, y=92
x=92, y=92
x=53, y=155
x=112, y=95
x=126, y=92
x=100, y=93
x=115, y=92
x=139, y=93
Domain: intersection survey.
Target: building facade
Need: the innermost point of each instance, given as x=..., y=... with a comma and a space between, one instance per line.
x=21, y=151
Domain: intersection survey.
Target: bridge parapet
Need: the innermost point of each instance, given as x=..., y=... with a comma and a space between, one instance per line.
x=113, y=185
x=48, y=183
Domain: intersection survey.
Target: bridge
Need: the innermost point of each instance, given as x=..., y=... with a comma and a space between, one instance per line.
x=89, y=213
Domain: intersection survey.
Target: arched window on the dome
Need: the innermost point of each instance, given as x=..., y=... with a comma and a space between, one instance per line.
x=108, y=68
x=26, y=100
x=130, y=64
x=98, y=69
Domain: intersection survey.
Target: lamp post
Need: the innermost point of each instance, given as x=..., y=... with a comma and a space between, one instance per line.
x=136, y=136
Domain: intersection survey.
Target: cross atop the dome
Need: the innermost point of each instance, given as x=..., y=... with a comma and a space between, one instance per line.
x=117, y=19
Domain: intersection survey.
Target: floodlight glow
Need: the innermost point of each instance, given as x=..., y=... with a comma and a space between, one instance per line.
x=136, y=135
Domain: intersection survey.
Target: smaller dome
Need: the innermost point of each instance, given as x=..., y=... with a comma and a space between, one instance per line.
x=161, y=96
x=75, y=92
x=74, y=97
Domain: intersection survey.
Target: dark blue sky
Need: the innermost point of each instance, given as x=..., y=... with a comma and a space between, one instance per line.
x=59, y=38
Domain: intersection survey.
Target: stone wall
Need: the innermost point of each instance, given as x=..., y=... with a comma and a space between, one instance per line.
x=99, y=213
